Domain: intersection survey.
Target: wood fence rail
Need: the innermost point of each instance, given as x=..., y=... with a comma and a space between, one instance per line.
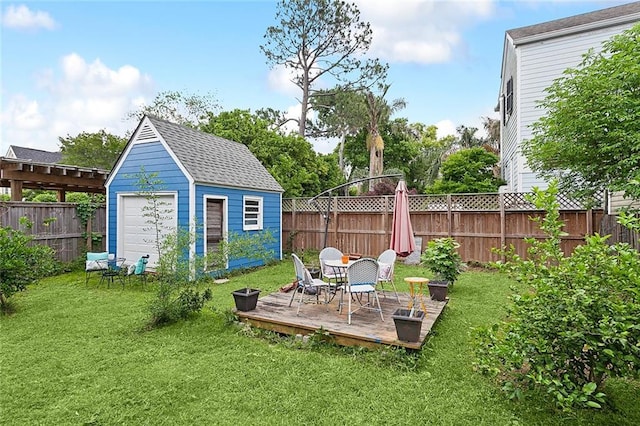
x=479, y=222
x=56, y=225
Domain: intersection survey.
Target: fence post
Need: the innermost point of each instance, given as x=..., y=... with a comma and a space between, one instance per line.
x=589, y=214
x=385, y=221
x=335, y=221
x=449, y=216
x=89, y=233
x=503, y=224
x=293, y=225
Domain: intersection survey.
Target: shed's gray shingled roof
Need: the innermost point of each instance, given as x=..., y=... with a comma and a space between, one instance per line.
x=215, y=160
x=575, y=21
x=36, y=155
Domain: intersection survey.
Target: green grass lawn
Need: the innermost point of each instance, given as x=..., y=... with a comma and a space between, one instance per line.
x=81, y=355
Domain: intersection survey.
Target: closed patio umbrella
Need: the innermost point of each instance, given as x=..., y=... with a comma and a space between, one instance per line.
x=402, y=241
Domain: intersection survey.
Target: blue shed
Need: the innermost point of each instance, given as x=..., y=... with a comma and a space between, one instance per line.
x=210, y=185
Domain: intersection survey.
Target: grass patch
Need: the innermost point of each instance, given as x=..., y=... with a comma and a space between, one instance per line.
x=76, y=354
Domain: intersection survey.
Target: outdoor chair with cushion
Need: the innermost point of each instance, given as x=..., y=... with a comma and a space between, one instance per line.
x=362, y=277
x=96, y=262
x=387, y=261
x=139, y=269
x=333, y=276
x=306, y=284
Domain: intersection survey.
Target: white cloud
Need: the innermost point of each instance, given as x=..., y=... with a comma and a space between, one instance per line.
x=77, y=97
x=445, y=128
x=421, y=31
x=279, y=80
x=21, y=17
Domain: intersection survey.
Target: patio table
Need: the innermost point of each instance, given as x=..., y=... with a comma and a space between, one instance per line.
x=113, y=269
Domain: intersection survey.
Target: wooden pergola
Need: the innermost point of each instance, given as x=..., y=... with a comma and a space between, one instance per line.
x=21, y=174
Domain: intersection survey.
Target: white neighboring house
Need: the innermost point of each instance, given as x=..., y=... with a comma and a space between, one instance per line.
x=532, y=58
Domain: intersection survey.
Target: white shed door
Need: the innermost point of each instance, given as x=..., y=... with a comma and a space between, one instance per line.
x=136, y=236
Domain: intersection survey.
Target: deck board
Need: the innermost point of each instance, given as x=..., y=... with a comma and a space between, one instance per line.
x=366, y=328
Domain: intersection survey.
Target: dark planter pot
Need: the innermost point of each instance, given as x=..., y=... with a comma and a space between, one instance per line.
x=438, y=290
x=246, y=298
x=408, y=328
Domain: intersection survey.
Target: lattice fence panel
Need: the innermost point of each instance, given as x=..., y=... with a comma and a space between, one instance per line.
x=517, y=201
x=424, y=203
x=475, y=202
x=364, y=204
x=513, y=201
x=303, y=204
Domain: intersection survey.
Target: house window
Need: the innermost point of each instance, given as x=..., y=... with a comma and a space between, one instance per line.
x=509, y=100
x=252, y=213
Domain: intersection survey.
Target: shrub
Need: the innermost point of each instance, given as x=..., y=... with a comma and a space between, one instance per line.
x=441, y=257
x=21, y=263
x=577, y=323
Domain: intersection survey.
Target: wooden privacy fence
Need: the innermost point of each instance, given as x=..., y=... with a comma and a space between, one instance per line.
x=56, y=225
x=479, y=222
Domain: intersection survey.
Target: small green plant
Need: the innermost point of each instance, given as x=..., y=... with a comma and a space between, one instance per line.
x=177, y=296
x=249, y=246
x=575, y=326
x=441, y=257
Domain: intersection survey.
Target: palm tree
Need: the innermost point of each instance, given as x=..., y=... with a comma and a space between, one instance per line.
x=379, y=112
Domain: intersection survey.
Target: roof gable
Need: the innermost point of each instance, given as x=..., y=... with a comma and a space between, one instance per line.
x=603, y=18
x=210, y=159
x=35, y=155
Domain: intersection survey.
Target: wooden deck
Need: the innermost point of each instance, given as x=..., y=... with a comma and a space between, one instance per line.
x=366, y=329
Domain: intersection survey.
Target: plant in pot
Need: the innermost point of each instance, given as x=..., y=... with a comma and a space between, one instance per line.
x=246, y=246
x=441, y=257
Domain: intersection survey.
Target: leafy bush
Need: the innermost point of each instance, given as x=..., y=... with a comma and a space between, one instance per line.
x=575, y=326
x=21, y=263
x=249, y=246
x=441, y=257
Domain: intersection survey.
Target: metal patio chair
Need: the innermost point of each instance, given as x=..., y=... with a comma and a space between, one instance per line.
x=362, y=278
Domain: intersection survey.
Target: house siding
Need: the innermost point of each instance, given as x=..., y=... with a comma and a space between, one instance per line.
x=234, y=196
x=510, y=138
x=617, y=202
x=155, y=159
x=534, y=66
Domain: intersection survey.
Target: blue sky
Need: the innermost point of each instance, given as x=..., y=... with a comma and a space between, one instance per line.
x=74, y=66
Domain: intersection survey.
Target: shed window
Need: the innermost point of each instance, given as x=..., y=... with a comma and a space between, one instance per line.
x=252, y=213
x=509, y=100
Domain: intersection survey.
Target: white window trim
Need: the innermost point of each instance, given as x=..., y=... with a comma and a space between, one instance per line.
x=252, y=227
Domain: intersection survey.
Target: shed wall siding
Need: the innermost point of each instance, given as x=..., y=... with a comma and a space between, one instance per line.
x=271, y=216
x=155, y=159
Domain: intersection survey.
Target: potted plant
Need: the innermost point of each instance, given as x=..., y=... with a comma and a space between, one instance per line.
x=441, y=257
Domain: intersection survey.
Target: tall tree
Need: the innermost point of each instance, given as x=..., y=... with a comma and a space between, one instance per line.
x=321, y=39
x=188, y=109
x=492, y=127
x=590, y=135
x=290, y=159
x=379, y=112
x=467, y=171
x=467, y=137
x=99, y=149
x=339, y=114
